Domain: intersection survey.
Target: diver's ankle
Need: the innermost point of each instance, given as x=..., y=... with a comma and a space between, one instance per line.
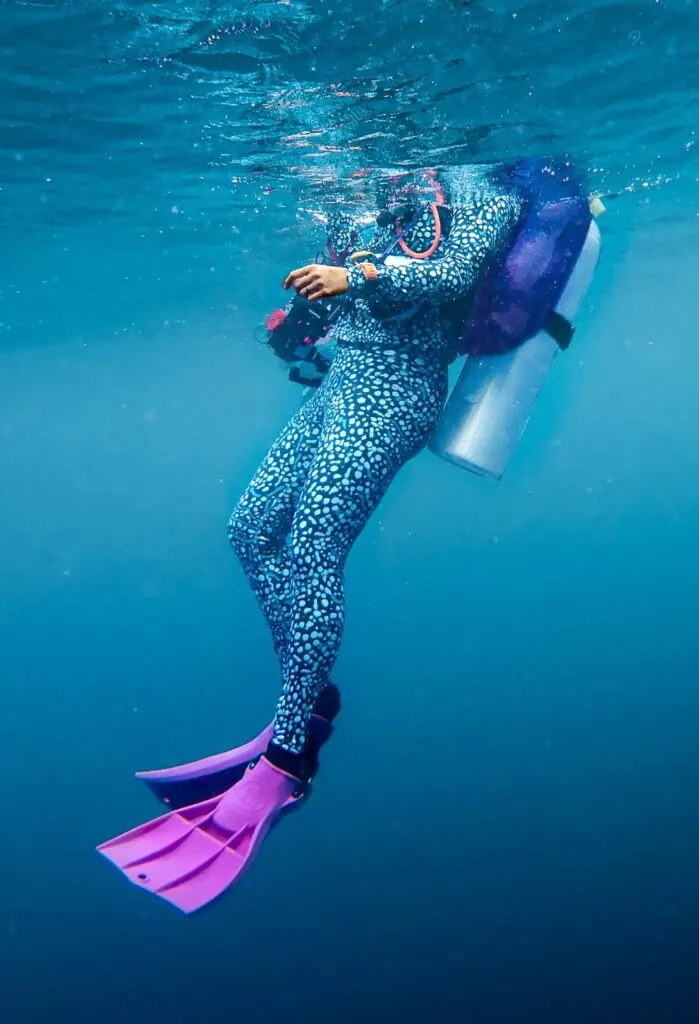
x=296, y=765
x=328, y=703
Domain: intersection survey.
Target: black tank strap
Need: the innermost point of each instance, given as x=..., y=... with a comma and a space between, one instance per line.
x=560, y=329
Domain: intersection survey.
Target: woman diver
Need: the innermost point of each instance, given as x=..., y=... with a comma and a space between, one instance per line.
x=311, y=497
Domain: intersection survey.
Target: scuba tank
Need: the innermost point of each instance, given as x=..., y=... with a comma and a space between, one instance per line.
x=520, y=317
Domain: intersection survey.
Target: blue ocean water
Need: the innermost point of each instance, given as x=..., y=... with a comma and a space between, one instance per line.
x=162, y=166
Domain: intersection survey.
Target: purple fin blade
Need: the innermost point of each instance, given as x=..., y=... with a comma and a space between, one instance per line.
x=156, y=836
x=209, y=882
x=212, y=878
x=213, y=764
x=208, y=777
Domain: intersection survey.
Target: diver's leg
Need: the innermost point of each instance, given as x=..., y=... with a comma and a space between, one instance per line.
x=259, y=526
x=373, y=426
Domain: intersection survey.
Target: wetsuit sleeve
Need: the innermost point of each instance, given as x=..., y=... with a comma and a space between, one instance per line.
x=343, y=236
x=478, y=229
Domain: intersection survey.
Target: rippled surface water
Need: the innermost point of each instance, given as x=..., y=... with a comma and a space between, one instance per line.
x=143, y=111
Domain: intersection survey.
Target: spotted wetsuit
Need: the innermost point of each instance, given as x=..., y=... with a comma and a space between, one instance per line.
x=332, y=464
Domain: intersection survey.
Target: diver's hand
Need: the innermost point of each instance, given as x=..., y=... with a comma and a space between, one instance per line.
x=318, y=281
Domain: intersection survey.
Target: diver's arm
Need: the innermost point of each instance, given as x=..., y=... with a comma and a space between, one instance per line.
x=479, y=227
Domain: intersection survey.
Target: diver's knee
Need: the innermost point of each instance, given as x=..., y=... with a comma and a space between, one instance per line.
x=247, y=535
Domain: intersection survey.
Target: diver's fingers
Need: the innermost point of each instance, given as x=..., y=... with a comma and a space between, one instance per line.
x=295, y=277
x=311, y=284
x=304, y=284
x=316, y=291
x=291, y=278
x=307, y=285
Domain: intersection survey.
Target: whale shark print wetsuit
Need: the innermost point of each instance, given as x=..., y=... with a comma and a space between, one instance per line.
x=332, y=464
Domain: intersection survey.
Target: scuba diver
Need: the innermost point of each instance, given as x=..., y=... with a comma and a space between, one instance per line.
x=390, y=305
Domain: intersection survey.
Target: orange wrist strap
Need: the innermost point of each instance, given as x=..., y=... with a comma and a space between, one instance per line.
x=369, y=270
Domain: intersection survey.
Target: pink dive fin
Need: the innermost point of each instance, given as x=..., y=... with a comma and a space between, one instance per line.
x=190, y=856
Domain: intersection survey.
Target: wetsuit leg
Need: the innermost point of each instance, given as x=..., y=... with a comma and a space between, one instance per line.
x=259, y=527
x=377, y=416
